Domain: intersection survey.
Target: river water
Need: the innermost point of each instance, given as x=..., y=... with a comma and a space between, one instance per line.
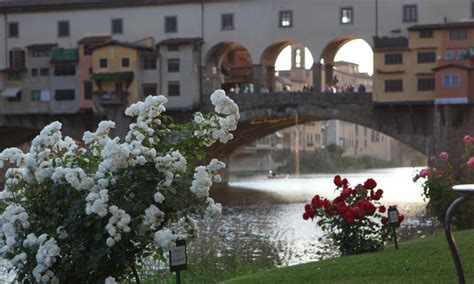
x=279, y=203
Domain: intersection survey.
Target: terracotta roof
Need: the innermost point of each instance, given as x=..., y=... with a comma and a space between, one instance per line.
x=41, y=45
x=122, y=43
x=454, y=65
x=452, y=25
x=183, y=40
x=94, y=39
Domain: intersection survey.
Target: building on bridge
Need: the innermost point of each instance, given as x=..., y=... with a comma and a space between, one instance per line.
x=433, y=65
x=212, y=42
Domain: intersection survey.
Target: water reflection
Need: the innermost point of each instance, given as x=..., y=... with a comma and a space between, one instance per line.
x=280, y=202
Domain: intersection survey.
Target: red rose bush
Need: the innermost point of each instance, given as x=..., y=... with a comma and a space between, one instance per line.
x=354, y=220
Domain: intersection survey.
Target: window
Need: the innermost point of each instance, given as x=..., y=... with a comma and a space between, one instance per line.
x=393, y=85
x=449, y=54
x=426, y=57
x=63, y=28
x=394, y=58
x=65, y=95
x=103, y=63
x=426, y=34
x=171, y=24
x=117, y=26
x=410, y=13
x=17, y=98
x=44, y=72
x=17, y=58
x=13, y=29
x=40, y=53
x=173, y=65
x=34, y=72
x=87, y=90
x=286, y=19
x=125, y=62
x=150, y=89
x=173, y=89
x=35, y=96
x=347, y=16
x=227, y=22
x=149, y=63
x=298, y=58
x=472, y=9
x=426, y=84
x=64, y=70
x=14, y=76
x=451, y=80
x=458, y=35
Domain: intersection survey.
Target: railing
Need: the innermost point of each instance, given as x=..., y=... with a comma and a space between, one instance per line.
x=112, y=98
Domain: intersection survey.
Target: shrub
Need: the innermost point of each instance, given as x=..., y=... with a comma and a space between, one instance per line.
x=87, y=214
x=353, y=220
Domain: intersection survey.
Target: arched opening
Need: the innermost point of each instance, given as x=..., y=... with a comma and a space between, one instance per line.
x=287, y=66
x=347, y=65
x=229, y=67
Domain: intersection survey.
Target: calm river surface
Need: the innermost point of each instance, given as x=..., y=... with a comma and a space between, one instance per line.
x=279, y=204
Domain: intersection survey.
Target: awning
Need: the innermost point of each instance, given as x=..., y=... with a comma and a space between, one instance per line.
x=64, y=55
x=10, y=92
x=45, y=95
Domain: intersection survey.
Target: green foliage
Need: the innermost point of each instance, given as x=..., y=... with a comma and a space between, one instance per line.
x=425, y=260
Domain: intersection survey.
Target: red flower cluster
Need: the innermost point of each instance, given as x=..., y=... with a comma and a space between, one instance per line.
x=352, y=204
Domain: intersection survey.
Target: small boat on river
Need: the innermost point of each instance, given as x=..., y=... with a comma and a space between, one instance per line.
x=273, y=175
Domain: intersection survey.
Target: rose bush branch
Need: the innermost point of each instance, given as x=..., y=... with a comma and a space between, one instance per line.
x=88, y=213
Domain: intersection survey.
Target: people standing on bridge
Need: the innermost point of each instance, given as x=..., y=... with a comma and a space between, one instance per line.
x=361, y=88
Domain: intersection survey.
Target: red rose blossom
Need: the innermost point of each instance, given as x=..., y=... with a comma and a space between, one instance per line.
x=382, y=209
x=338, y=181
x=384, y=220
x=305, y=215
x=370, y=184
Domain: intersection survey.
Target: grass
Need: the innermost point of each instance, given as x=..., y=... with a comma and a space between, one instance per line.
x=426, y=260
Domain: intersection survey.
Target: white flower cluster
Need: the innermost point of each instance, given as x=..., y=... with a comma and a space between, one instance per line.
x=101, y=136
x=214, y=168
x=147, y=114
x=165, y=239
x=118, y=224
x=45, y=258
x=214, y=209
x=97, y=203
x=219, y=127
x=202, y=182
x=76, y=177
x=153, y=217
x=110, y=280
x=49, y=136
x=13, y=218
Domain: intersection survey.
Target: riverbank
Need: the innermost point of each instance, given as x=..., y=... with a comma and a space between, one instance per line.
x=426, y=260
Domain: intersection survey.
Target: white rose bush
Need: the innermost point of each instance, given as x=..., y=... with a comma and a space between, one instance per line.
x=90, y=212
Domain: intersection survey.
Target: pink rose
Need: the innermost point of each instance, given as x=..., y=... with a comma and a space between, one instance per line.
x=432, y=158
x=470, y=163
x=443, y=156
x=425, y=172
x=468, y=139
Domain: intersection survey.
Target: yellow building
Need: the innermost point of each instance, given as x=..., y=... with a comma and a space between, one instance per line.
x=403, y=67
x=116, y=72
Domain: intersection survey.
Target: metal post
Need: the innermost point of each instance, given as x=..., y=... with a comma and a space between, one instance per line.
x=452, y=245
x=394, y=236
x=178, y=277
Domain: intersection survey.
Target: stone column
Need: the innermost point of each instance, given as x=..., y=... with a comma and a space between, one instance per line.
x=317, y=76
x=271, y=78
x=328, y=69
x=257, y=77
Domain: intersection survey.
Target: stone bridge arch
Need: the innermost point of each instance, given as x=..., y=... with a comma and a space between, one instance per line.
x=18, y=129
x=262, y=115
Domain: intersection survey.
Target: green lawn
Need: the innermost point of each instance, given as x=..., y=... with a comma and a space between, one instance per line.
x=425, y=260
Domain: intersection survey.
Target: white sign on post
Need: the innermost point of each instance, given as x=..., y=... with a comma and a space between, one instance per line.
x=178, y=257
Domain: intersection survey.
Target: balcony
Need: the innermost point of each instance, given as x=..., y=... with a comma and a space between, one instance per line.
x=111, y=98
